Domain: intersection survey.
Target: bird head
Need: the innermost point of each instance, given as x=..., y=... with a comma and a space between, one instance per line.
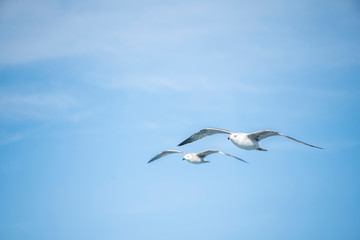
x=187, y=156
x=232, y=136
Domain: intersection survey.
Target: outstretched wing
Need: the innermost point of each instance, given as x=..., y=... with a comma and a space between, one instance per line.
x=211, y=151
x=164, y=153
x=260, y=135
x=203, y=133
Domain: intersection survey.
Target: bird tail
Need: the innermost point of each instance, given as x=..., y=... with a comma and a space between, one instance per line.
x=261, y=149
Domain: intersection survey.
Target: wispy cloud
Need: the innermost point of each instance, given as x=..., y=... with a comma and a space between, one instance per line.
x=42, y=29
x=36, y=106
x=145, y=83
x=203, y=85
x=10, y=138
x=45, y=29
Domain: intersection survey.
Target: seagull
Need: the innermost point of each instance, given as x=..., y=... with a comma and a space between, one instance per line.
x=248, y=141
x=195, y=158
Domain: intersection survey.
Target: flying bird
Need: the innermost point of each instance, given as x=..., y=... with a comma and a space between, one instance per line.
x=248, y=141
x=195, y=158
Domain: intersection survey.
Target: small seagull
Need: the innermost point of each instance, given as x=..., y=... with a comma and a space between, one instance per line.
x=248, y=141
x=195, y=158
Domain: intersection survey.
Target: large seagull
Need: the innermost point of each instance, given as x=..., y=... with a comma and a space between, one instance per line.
x=195, y=158
x=248, y=141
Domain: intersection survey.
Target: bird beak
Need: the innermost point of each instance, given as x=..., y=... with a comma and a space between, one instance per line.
x=183, y=159
x=228, y=138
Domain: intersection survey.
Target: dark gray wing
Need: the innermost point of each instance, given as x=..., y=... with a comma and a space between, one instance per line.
x=164, y=153
x=260, y=135
x=211, y=151
x=203, y=133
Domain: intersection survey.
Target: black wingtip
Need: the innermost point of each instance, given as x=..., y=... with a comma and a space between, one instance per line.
x=182, y=143
x=240, y=159
x=244, y=161
x=317, y=147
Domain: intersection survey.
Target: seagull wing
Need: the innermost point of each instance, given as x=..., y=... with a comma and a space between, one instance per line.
x=164, y=153
x=260, y=135
x=203, y=133
x=211, y=151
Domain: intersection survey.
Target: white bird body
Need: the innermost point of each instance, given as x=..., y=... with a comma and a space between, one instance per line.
x=195, y=158
x=248, y=141
x=243, y=141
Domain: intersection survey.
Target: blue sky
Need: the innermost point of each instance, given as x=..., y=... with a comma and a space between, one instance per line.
x=91, y=90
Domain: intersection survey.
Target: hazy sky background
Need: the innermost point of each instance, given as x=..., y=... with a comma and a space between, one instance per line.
x=91, y=90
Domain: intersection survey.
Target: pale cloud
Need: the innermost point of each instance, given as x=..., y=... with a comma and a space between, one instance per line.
x=38, y=106
x=145, y=83
x=36, y=30
x=203, y=85
x=199, y=84
x=37, y=100
x=10, y=138
x=42, y=30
